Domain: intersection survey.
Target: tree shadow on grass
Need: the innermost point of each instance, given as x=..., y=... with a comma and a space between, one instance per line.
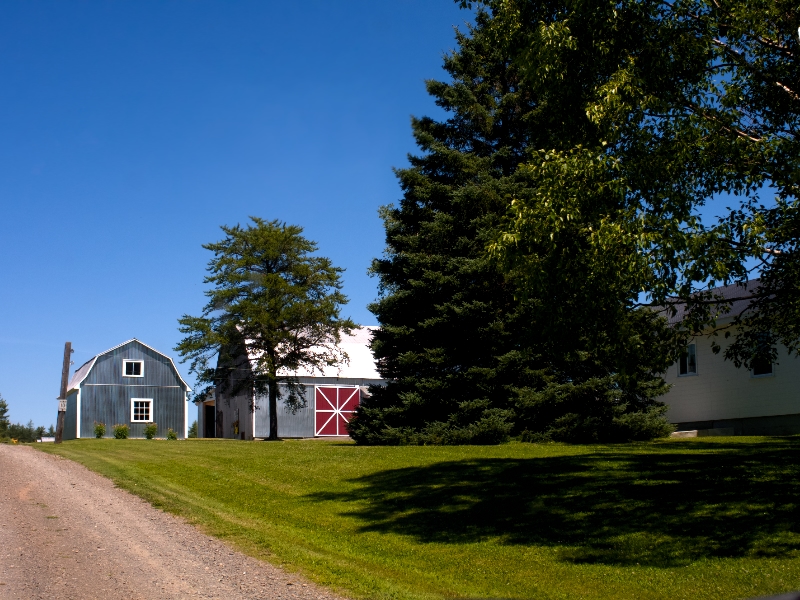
x=661, y=505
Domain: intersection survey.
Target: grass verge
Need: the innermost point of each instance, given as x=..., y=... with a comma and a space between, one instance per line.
x=709, y=518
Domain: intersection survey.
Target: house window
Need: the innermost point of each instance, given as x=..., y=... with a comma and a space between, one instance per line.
x=133, y=368
x=142, y=410
x=688, y=362
x=761, y=367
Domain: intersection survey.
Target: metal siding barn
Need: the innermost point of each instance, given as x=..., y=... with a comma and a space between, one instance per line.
x=71, y=417
x=330, y=398
x=107, y=388
x=299, y=424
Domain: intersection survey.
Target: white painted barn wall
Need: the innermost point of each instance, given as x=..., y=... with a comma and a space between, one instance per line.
x=721, y=391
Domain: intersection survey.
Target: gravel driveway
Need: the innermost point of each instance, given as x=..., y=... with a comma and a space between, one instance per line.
x=66, y=532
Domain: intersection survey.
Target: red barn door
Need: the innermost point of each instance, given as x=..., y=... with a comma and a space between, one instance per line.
x=334, y=409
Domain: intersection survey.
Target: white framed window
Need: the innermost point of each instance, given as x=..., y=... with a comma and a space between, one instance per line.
x=133, y=368
x=761, y=367
x=687, y=365
x=141, y=410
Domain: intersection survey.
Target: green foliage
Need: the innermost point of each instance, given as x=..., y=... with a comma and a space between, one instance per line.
x=193, y=430
x=24, y=433
x=4, y=420
x=150, y=431
x=270, y=299
x=99, y=429
x=655, y=521
x=660, y=108
x=465, y=335
x=171, y=435
x=121, y=432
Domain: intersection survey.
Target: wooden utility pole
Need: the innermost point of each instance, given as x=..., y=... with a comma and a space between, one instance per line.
x=62, y=399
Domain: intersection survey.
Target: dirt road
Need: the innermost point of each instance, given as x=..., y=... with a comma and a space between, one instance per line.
x=68, y=533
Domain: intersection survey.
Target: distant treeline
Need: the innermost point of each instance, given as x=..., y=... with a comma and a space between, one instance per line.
x=18, y=431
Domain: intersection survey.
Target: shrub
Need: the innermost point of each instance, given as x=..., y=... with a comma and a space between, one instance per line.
x=587, y=412
x=150, y=430
x=121, y=432
x=99, y=429
x=171, y=435
x=193, y=430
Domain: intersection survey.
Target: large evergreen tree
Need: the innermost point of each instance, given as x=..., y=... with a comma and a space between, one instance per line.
x=468, y=355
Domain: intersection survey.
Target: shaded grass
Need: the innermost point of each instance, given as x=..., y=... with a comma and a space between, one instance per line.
x=714, y=518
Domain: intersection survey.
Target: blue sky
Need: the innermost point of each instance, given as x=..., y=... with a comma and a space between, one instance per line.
x=132, y=130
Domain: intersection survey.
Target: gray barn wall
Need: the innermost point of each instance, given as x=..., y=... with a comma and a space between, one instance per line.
x=200, y=430
x=106, y=394
x=111, y=404
x=300, y=424
x=71, y=417
x=232, y=409
x=158, y=370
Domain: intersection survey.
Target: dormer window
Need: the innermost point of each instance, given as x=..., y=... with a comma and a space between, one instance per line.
x=133, y=368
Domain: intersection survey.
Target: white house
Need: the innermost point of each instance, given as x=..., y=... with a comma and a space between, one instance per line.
x=710, y=393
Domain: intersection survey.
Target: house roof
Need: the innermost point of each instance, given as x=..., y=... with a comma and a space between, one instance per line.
x=83, y=371
x=739, y=294
x=361, y=363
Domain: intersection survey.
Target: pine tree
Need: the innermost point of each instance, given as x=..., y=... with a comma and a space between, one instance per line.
x=468, y=356
x=273, y=308
x=4, y=421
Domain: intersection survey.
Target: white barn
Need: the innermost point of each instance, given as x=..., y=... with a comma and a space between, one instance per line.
x=331, y=397
x=710, y=394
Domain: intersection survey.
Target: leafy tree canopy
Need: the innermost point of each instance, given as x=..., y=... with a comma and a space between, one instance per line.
x=660, y=107
x=272, y=308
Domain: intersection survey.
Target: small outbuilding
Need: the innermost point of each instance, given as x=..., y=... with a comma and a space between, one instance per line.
x=131, y=384
x=331, y=397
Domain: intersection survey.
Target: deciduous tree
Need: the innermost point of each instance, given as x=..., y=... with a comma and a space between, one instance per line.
x=675, y=103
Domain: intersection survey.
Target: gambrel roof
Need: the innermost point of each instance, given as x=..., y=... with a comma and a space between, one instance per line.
x=83, y=371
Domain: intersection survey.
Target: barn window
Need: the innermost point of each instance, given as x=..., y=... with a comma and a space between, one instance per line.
x=133, y=368
x=688, y=362
x=142, y=410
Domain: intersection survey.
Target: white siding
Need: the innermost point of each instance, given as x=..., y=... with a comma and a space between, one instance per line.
x=721, y=391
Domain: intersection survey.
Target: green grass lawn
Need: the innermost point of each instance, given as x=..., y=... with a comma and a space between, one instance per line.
x=708, y=518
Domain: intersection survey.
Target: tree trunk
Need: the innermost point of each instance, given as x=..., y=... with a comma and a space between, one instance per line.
x=273, y=409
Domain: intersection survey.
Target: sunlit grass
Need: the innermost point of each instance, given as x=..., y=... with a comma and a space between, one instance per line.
x=711, y=518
